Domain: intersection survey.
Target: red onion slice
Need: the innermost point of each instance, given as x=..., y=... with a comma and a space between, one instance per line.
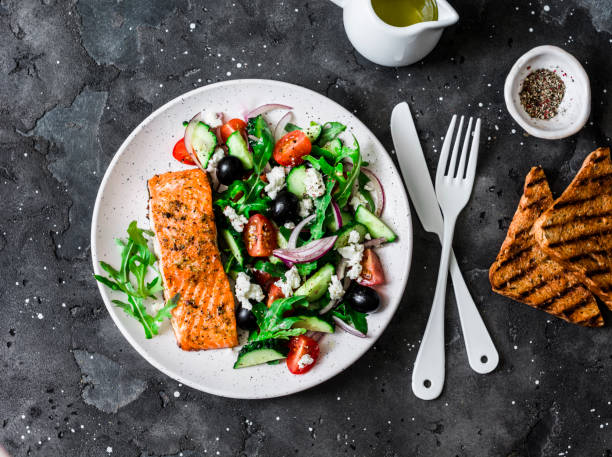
x=292, y=243
x=337, y=214
x=280, y=126
x=347, y=328
x=376, y=242
x=307, y=253
x=266, y=108
x=331, y=305
x=378, y=194
x=188, y=134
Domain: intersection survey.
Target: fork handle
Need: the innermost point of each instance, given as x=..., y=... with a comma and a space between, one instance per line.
x=429, y=367
x=481, y=352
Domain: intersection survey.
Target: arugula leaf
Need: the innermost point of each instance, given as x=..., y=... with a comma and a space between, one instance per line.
x=245, y=196
x=289, y=127
x=275, y=269
x=345, y=189
x=351, y=317
x=330, y=131
x=263, y=146
x=136, y=260
x=321, y=152
x=317, y=230
x=304, y=269
x=272, y=321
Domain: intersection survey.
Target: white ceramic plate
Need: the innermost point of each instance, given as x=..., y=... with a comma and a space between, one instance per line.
x=123, y=197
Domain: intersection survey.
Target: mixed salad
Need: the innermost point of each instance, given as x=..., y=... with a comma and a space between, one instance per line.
x=298, y=214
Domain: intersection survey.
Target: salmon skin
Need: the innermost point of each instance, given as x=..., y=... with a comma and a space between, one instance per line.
x=181, y=215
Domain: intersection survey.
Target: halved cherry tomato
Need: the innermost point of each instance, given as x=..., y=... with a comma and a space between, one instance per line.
x=180, y=153
x=260, y=236
x=274, y=293
x=372, y=273
x=231, y=126
x=264, y=279
x=291, y=148
x=303, y=353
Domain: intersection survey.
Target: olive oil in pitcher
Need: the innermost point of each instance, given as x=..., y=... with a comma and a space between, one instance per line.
x=402, y=13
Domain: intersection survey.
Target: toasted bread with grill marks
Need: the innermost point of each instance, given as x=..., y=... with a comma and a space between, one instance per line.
x=523, y=272
x=577, y=229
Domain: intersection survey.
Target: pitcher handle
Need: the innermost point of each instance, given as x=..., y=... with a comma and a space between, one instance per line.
x=340, y=3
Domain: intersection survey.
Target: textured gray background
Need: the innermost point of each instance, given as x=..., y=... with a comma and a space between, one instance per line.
x=77, y=77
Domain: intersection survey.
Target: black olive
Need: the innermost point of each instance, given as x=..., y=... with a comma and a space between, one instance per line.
x=229, y=169
x=246, y=319
x=361, y=298
x=284, y=208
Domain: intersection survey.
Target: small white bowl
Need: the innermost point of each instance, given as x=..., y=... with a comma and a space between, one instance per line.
x=576, y=104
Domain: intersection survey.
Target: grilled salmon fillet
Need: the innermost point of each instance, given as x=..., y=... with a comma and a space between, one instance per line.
x=523, y=272
x=577, y=229
x=181, y=215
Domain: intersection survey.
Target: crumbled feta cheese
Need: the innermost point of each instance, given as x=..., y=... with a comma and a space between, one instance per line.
x=276, y=181
x=214, y=160
x=358, y=199
x=368, y=236
x=305, y=207
x=245, y=290
x=353, y=253
x=289, y=225
x=315, y=187
x=292, y=281
x=336, y=291
x=354, y=237
x=212, y=120
x=238, y=221
x=304, y=361
x=369, y=186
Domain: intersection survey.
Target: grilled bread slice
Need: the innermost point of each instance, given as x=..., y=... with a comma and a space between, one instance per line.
x=523, y=272
x=577, y=229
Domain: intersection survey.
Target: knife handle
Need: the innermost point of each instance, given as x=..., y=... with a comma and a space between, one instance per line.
x=481, y=352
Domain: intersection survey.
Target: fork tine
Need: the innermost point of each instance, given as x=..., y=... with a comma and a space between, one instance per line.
x=464, y=152
x=445, y=150
x=453, y=160
x=471, y=168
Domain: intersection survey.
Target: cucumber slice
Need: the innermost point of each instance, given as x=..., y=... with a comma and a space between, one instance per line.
x=282, y=243
x=296, y=181
x=316, y=286
x=313, y=132
x=238, y=148
x=203, y=142
x=330, y=220
x=345, y=231
x=260, y=352
x=376, y=227
x=315, y=323
x=334, y=146
x=232, y=244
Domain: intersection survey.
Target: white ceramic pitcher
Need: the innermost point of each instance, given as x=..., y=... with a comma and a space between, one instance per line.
x=386, y=44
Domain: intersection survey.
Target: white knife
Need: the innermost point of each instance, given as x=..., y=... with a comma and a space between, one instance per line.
x=481, y=352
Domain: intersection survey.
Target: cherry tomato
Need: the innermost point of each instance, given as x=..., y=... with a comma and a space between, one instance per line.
x=231, y=126
x=291, y=148
x=265, y=280
x=274, y=293
x=180, y=153
x=303, y=353
x=372, y=273
x=260, y=236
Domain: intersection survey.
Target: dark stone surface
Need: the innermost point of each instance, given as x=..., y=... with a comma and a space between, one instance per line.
x=77, y=77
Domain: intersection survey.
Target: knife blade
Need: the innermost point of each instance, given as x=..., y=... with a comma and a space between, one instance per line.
x=482, y=355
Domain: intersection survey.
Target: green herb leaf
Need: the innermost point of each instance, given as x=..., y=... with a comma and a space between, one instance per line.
x=351, y=317
x=275, y=269
x=272, y=321
x=321, y=204
x=289, y=127
x=330, y=131
x=345, y=189
x=263, y=145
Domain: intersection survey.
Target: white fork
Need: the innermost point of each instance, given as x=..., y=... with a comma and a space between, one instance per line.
x=453, y=190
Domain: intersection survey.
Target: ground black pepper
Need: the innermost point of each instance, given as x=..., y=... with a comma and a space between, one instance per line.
x=542, y=93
